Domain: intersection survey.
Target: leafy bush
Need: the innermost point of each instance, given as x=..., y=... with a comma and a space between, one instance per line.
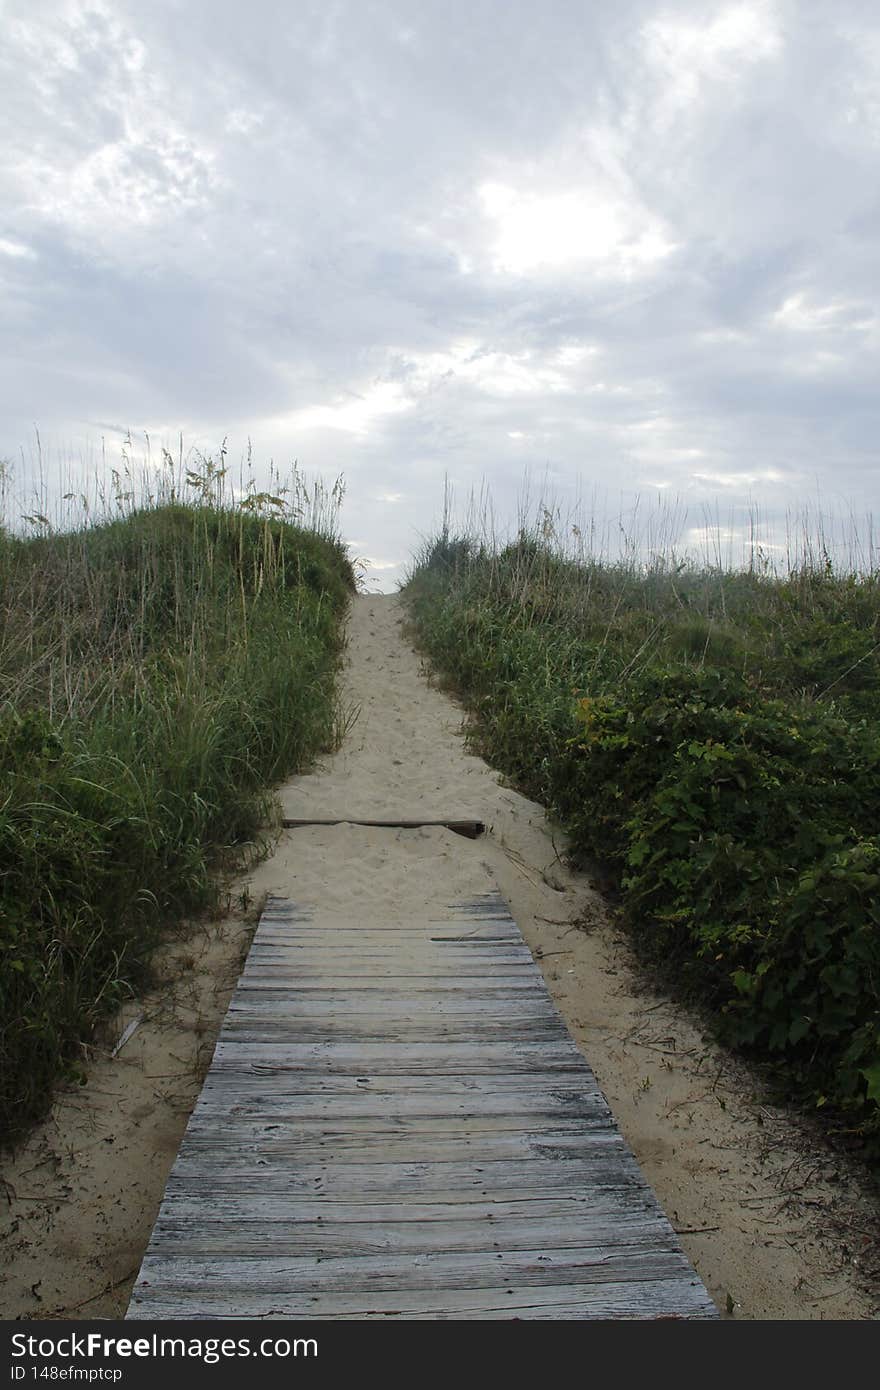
x=714, y=740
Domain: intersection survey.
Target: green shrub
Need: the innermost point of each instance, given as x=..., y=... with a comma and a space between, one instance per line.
x=158, y=674
x=714, y=740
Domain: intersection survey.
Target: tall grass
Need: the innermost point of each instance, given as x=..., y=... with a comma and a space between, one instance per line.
x=712, y=735
x=160, y=669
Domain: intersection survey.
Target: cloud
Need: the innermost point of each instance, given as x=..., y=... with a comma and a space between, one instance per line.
x=16, y=249
x=562, y=229
x=691, y=53
x=627, y=247
x=356, y=414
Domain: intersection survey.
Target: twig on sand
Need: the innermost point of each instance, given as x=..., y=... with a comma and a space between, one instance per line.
x=108, y=1288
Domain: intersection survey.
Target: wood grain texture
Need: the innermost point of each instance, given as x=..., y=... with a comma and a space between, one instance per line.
x=397, y=1123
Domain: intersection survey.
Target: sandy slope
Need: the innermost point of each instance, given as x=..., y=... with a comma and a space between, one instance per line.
x=774, y=1231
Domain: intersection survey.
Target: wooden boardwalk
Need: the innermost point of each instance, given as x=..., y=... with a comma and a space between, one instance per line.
x=397, y=1123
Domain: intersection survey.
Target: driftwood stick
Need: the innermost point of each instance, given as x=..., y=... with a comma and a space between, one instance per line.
x=470, y=828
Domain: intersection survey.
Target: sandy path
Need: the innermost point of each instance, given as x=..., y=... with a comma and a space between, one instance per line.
x=773, y=1230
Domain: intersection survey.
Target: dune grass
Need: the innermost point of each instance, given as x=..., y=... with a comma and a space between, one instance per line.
x=712, y=738
x=160, y=670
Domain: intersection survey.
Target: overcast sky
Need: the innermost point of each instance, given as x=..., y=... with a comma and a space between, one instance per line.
x=628, y=248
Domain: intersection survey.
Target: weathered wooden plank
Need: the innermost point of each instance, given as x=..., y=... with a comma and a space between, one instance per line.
x=466, y=1032
x=260, y=1006
x=297, y=987
x=433, y=1059
x=431, y=1182
x=397, y=1014
x=439, y=953
x=429, y=928
x=369, y=981
x=320, y=1239
x=403, y=958
x=434, y=1270
x=581, y=1211
x=345, y=965
x=388, y=939
x=205, y=1147
x=272, y=998
x=438, y=929
x=566, y=1087
x=424, y=1115
x=431, y=1103
x=424, y=926
x=364, y=941
x=363, y=1141
x=498, y=1005
x=645, y=1301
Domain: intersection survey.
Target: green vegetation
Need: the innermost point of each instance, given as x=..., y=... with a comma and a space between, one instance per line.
x=713, y=738
x=158, y=673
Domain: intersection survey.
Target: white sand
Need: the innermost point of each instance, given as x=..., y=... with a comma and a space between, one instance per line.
x=773, y=1228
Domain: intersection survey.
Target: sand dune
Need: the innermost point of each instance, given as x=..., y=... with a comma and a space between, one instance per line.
x=767, y=1222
